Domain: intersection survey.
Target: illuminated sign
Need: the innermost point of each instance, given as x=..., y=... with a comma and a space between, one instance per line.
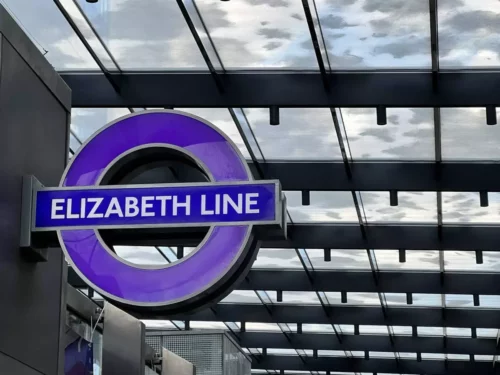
x=230, y=204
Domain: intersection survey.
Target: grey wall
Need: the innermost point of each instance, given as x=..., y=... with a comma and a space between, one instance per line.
x=123, y=343
x=34, y=105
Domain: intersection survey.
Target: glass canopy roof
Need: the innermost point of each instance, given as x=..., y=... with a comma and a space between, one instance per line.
x=352, y=37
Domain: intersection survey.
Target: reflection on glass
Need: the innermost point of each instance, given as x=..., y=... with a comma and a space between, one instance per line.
x=303, y=133
x=413, y=207
x=430, y=331
x=140, y=255
x=331, y=353
x=86, y=121
x=159, y=324
x=419, y=299
x=487, y=332
x=433, y=356
x=208, y=325
x=458, y=332
x=376, y=34
x=241, y=296
x=464, y=207
x=250, y=326
x=299, y=298
x=259, y=34
x=373, y=330
x=466, y=136
x=221, y=118
x=318, y=328
x=340, y=259
x=408, y=135
x=466, y=261
x=492, y=302
x=415, y=260
x=326, y=206
x=152, y=37
x=468, y=33
x=277, y=258
x=382, y=354
x=354, y=298
x=51, y=33
x=482, y=357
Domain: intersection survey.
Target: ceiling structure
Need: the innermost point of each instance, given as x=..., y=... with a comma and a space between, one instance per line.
x=384, y=148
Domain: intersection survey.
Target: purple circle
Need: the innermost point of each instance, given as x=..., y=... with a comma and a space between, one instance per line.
x=181, y=280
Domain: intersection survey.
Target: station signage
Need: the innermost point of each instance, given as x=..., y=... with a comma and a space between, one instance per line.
x=230, y=204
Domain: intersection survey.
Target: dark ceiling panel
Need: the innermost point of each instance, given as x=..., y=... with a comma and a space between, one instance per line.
x=265, y=89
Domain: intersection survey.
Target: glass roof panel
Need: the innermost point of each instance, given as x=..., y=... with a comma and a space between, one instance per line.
x=415, y=260
x=160, y=324
x=407, y=355
x=222, y=119
x=458, y=332
x=433, y=356
x=382, y=354
x=482, y=357
x=459, y=300
x=317, y=328
x=414, y=207
x=259, y=34
x=250, y=326
x=278, y=351
x=419, y=299
x=303, y=133
x=340, y=259
x=143, y=255
x=208, y=325
x=490, y=301
x=86, y=121
x=242, y=296
x=466, y=136
x=331, y=353
x=401, y=330
x=153, y=37
x=373, y=330
x=298, y=298
x=464, y=207
x=430, y=331
x=354, y=298
x=51, y=33
x=487, y=332
x=468, y=33
x=408, y=135
x=325, y=207
x=277, y=258
x=459, y=357
x=376, y=34
x=466, y=261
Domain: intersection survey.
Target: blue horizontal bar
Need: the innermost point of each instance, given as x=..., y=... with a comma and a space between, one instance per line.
x=157, y=206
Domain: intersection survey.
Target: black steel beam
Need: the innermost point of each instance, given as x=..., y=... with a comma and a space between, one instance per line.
x=401, y=366
x=336, y=236
x=361, y=281
x=286, y=89
x=369, y=315
x=385, y=176
x=372, y=343
x=382, y=176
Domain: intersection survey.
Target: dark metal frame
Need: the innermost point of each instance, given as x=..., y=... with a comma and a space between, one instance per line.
x=299, y=89
x=323, y=88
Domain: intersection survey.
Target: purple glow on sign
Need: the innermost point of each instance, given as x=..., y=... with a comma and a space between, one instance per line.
x=182, y=280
